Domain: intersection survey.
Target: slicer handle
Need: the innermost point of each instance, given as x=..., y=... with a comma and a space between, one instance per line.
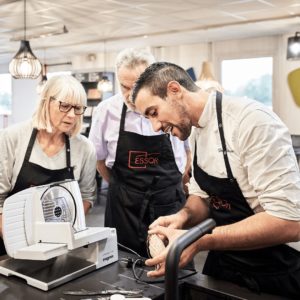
x=173, y=257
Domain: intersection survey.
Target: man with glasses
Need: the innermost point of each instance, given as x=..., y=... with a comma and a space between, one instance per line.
x=49, y=147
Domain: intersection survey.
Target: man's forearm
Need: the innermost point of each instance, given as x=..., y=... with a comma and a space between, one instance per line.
x=258, y=231
x=103, y=170
x=86, y=206
x=195, y=211
x=188, y=161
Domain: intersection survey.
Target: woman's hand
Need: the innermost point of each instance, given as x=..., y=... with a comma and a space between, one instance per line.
x=86, y=206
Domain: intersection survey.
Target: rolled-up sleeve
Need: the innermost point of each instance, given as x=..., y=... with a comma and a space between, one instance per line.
x=87, y=176
x=266, y=153
x=6, y=166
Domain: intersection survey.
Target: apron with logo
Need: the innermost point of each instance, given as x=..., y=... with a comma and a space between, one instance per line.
x=32, y=174
x=145, y=183
x=274, y=269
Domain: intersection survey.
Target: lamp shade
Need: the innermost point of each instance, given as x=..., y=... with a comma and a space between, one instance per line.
x=41, y=85
x=293, y=48
x=105, y=85
x=25, y=65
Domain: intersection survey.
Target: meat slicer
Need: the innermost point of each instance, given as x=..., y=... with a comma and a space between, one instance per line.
x=46, y=237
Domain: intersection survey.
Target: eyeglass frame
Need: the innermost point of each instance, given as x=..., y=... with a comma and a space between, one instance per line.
x=71, y=106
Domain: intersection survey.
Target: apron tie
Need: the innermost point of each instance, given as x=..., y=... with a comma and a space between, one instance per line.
x=144, y=205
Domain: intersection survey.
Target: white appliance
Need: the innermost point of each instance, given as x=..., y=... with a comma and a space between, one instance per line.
x=45, y=234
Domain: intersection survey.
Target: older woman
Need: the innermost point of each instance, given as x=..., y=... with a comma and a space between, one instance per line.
x=48, y=147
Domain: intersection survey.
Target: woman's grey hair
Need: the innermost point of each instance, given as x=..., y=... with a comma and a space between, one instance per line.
x=63, y=88
x=131, y=57
x=157, y=76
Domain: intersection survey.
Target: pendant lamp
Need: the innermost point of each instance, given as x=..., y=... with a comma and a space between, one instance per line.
x=104, y=84
x=293, y=48
x=42, y=83
x=24, y=64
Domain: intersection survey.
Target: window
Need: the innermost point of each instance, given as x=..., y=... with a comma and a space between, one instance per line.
x=5, y=94
x=250, y=77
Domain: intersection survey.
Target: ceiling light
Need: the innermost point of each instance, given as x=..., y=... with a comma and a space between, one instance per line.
x=105, y=85
x=54, y=32
x=42, y=83
x=24, y=64
x=293, y=48
x=43, y=34
x=91, y=57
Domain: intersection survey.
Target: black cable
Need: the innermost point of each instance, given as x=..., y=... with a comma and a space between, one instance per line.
x=128, y=249
x=140, y=262
x=130, y=261
x=137, y=277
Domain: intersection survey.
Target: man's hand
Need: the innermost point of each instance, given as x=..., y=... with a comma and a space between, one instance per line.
x=160, y=260
x=172, y=221
x=195, y=211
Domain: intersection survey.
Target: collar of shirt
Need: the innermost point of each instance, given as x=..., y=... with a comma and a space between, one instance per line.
x=208, y=110
x=124, y=100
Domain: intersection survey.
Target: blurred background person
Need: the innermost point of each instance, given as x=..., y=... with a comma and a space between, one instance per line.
x=207, y=81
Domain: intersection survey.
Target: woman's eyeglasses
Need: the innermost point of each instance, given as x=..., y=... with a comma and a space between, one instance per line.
x=66, y=107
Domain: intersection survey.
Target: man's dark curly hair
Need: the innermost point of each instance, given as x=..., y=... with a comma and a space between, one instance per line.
x=157, y=76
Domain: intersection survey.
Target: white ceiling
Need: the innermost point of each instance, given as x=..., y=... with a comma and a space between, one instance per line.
x=137, y=23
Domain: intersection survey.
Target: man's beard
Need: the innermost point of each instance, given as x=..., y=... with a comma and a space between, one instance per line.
x=185, y=124
x=185, y=130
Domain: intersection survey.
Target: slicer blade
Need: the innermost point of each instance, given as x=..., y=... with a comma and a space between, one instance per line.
x=58, y=205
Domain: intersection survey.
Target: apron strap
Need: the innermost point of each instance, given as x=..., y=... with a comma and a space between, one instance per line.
x=30, y=145
x=144, y=205
x=122, y=123
x=68, y=152
x=221, y=131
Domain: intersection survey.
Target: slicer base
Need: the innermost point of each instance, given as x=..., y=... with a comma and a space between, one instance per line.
x=46, y=275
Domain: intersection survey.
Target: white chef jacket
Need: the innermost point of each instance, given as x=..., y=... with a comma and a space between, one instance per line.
x=260, y=154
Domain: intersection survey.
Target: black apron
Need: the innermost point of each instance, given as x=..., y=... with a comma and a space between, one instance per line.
x=145, y=183
x=274, y=269
x=32, y=174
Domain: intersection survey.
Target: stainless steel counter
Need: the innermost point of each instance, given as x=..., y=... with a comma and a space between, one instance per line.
x=117, y=275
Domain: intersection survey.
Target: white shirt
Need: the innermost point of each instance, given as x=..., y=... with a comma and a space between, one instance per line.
x=105, y=127
x=209, y=85
x=260, y=154
x=13, y=144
